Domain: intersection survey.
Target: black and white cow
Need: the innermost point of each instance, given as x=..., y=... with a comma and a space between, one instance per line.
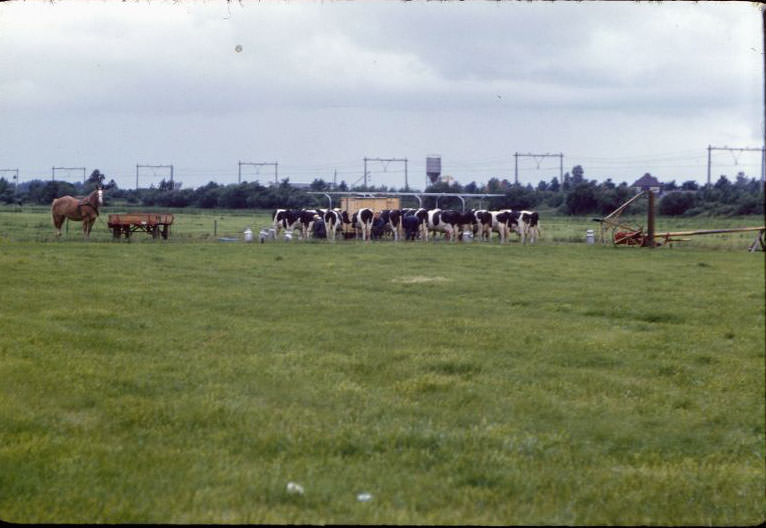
x=483, y=222
x=422, y=215
x=285, y=219
x=333, y=219
x=466, y=223
x=445, y=221
x=434, y=224
x=494, y=221
x=393, y=219
x=362, y=221
x=306, y=220
x=505, y=222
x=528, y=226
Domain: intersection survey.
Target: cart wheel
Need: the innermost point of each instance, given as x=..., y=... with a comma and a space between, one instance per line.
x=165, y=231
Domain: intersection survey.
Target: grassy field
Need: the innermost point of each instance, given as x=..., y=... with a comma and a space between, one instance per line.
x=172, y=382
x=33, y=223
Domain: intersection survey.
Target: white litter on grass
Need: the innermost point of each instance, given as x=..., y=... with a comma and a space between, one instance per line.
x=419, y=279
x=364, y=497
x=294, y=489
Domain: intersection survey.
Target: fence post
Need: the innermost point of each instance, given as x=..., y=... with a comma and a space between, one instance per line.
x=650, y=220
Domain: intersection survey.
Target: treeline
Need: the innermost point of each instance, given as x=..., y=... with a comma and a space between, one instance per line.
x=575, y=195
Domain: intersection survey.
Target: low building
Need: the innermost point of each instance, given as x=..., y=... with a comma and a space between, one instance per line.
x=647, y=182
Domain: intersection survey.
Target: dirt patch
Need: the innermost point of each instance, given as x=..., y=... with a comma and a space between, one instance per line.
x=419, y=279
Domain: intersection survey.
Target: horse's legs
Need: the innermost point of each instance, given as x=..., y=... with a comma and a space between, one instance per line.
x=58, y=221
x=87, y=224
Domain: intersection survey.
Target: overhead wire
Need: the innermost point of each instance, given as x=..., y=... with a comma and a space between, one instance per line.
x=494, y=166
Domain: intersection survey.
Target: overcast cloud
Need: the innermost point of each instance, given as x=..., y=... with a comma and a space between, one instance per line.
x=619, y=88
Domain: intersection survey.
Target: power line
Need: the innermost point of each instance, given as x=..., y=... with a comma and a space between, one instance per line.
x=257, y=165
x=538, y=158
x=54, y=169
x=385, y=162
x=762, y=150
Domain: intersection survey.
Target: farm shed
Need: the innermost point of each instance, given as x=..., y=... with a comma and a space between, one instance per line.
x=354, y=203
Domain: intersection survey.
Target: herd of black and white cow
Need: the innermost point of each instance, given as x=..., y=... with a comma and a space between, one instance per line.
x=410, y=224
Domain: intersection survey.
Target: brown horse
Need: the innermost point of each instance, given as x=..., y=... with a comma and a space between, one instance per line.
x=80, y=209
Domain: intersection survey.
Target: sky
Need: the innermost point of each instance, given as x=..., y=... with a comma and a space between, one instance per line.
x=619, y=88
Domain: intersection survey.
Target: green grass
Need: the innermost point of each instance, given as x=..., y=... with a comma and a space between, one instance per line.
x=33, y=223
x=555, y=384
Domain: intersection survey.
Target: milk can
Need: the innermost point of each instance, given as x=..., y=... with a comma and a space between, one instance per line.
x=589, y=236
x=248, y=235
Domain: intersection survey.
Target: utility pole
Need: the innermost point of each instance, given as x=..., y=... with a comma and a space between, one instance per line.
x=649, y=242
x=259, y=164
x=138, y=167
x=762, y=150
x=54, y=169
x=561, y=167
x=406, y=183
x=538, y=158
x=385, y=162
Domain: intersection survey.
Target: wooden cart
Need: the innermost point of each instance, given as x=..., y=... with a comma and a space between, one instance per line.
x=156, y=224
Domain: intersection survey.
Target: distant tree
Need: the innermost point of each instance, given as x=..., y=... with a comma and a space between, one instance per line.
x=542, y=186
x=318, y=185
x=518, y=197
x=471, y=188
x=233, y=196
x=44, y=192
x=566, y=185
x=166, y=185
x=610, y=198
x=749, y=205
x=689, y=185
x=676, y=203
x=448, y=202
x=7, y=192
x=578, y=175
x=206, y=196
x=741, y=181
x=555, y=186
x=95, y=178
x=493, y=186
x=723, y=183
x=555, y=199
x=581, y=200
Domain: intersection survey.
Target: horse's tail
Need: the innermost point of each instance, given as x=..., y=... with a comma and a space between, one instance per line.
x=58, y=219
